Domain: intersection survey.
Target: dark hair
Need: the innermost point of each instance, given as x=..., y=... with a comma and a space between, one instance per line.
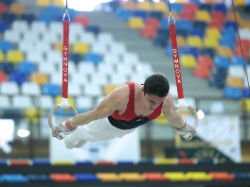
x=156, y=84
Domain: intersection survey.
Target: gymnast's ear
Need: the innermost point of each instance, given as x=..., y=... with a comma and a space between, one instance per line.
x=142, y=89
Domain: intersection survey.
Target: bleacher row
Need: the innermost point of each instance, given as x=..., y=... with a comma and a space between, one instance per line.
x=30, y=61
x=56, y=175
x=206, y=36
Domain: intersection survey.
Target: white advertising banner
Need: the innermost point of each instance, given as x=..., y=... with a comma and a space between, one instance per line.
x=126, y=148
x=223, y=133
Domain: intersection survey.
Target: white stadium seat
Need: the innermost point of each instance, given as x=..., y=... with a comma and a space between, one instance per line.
x=84, y=103
x=29, y=88
x=45, y=102
x=9, y=88
x=22, y=102
x=92, y=90
x=5, y=102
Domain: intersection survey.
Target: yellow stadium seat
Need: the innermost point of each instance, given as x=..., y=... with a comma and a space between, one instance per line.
x=14, y=56
x=109, y=177
x=160, y=6
x=17, y=8
x=245, y=104
x=209, y=1
x=230, y=16
x=224, y=51
x=43, y=3
x=33, y=115
x=80, y=48
x=59, y=100
x=58, y=3
x=163, y=161
x=62, y=163
x=202, y=15
x=2, y=58
x=175, y=176
x=146, y=5
x=181, y=41
x=198, y=176
x=244, y=24
x=133, y=176
x=213, y=32
x=194, y=41
x=240, y=2
x=58, y=46
x=180, y=1
x=109, y=88
x=136, y=23
x=161, y=120
x=188, y=61
x=39, y=78
x=234, y=82
x=129, y=5
x=210, y=42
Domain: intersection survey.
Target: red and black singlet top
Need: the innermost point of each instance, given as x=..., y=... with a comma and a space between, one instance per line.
x=129, y=120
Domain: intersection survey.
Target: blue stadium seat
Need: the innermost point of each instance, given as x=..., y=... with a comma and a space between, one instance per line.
x=8, y=67
x=225, y=42
x=5, y=46
x=9, y=17
x=237, y=60
x=8, y=2
x=18, y=77
x=218, y=78
x=241, y=176
x=221, y=61
x=164, y=23
x=163, y=33
x=123, y=14
x=46, y=18
x=15, y=178
x=43, y=178
x=141, y=14
x=60, y=112
x=205, y=6
x=3, y=163
x=53, y=11
x=93, y=57
x=86, y=177
x=114, y=5
x=160, y=41
x=177, y=7
x=230, y=24
x=232, y=92
x=75, y=57
x=246, y=93
x=13, y=114
x=207, y=51
x=93, y=28
x=220, y=7
x=3, y=26
x=41, y=162
x=26, y=67
x=155, y=14
x=183, y=24
x=28, y=17
x=200, y=24
x=191, y=51
x=51, y=89
x=86, y=162
x=197, y=32
x=229, y=33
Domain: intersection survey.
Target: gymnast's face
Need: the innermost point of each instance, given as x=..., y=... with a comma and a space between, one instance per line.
x=151, y=102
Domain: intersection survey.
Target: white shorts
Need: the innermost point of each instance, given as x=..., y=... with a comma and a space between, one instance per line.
x=97, y=130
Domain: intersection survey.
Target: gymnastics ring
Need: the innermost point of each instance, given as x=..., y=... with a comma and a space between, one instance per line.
x=59, y=106
x=183, y=106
